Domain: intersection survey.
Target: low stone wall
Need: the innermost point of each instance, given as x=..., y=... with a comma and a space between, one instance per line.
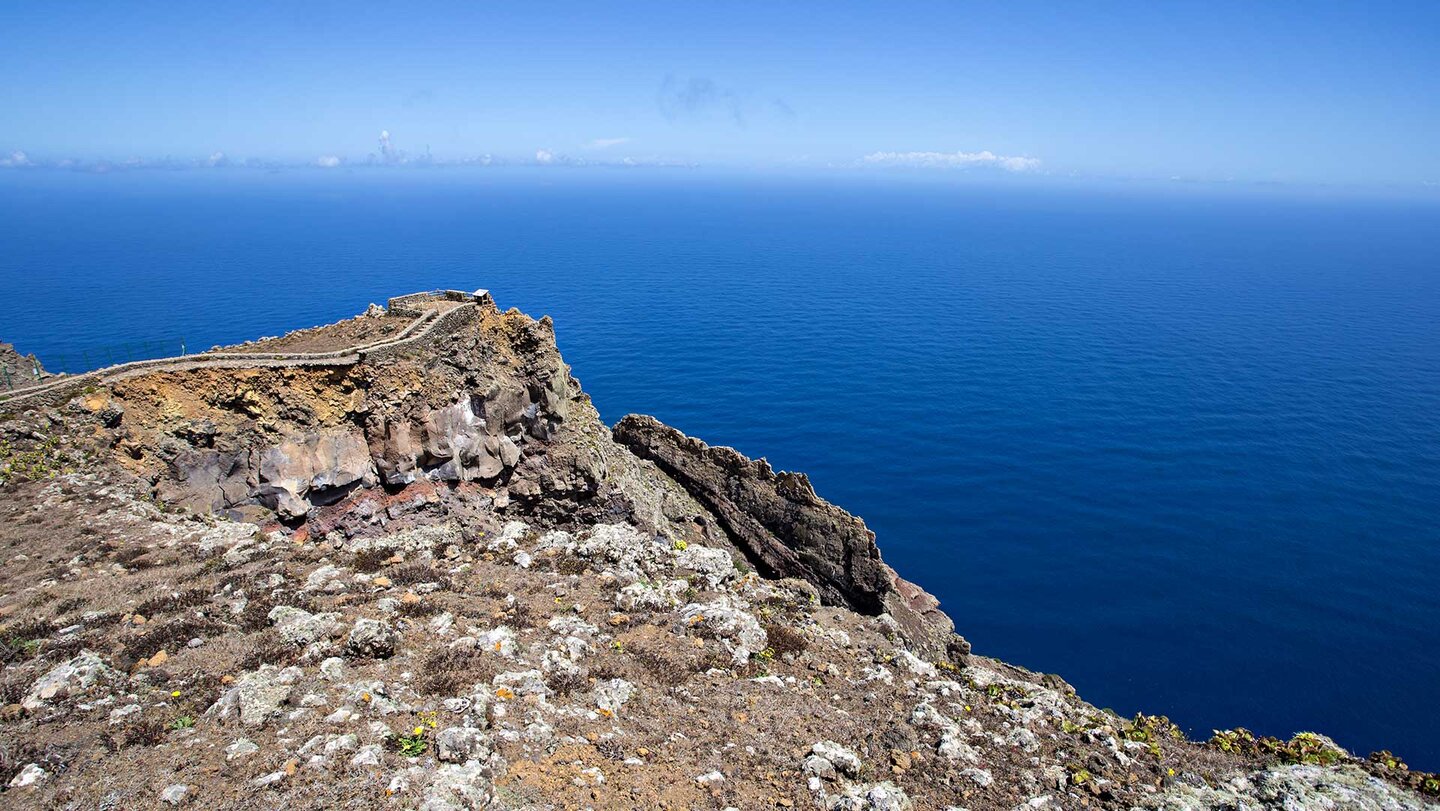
x=429, y=322
x=409, y=305
x=445, y=323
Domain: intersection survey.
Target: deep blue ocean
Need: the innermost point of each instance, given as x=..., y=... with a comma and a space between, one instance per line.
x=1181, y=446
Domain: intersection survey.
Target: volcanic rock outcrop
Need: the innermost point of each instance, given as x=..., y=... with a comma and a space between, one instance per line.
x=17, y=369
x=488, y=404
x=786, y=530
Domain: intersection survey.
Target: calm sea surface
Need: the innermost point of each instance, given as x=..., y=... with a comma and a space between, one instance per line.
x=1181, y=448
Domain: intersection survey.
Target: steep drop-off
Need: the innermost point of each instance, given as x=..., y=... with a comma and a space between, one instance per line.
x=430, y=577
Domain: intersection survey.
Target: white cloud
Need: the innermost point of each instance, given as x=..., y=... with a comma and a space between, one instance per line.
x=951, y=160
x=16, y=159
x=327, y=161
x=606, y=143
x=544, y=157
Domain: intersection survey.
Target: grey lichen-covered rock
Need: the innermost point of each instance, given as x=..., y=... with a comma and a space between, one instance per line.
x=736, y=626
x=67, y=679
x=225, y=535
x=373, y=638
x=786, y=530
x=459, y=744
x=843, y=760
x=299, y=627
x=257, y=695
x=612, y=694
x=1295, y=788
x=240, y=749
x=460, y=786
x=884, y=796
x=326, y=578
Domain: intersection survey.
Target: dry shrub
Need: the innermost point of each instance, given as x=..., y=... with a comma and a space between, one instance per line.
x=13, y=687
x=70, y=604
x=136, y=557
x=371, y=560
x=256, y=615
x=568, y=565
x=610, y=750
x=144, y=732
x=608, y=668
x=18, y=641
x=453, y=671
x=418, y=610
x=566, y=683
x=415, y=573
x=269, y=649
x=169, y=636
x=666, y=666
x=522, y=616
x=714, y=657
x=784, y=639
x=173, y=602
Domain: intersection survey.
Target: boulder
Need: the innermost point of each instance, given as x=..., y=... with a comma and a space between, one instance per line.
x=459, y=744
x=373, y=638
x=257, y=695
x=300, y=627
x=67, y=679
x=312, y=468
x=844, y=760
x=612, y=694
x=31, y=775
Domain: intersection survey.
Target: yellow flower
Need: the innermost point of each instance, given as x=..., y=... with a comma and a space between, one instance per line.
x=419, y=730
x=1172, y=772
x=174, y=693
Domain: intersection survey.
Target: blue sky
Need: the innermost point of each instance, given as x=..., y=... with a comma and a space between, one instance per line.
x=1308, y=92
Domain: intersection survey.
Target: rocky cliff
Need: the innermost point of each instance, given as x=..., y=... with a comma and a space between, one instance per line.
x=786, y=530
x=17, y=369
x=430, y=577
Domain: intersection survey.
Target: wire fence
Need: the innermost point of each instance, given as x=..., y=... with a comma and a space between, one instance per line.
x=91, y=358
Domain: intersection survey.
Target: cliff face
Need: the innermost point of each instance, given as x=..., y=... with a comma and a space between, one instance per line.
x=487, y=408
x=431, y=577
x=490, y=410
x=786, y=530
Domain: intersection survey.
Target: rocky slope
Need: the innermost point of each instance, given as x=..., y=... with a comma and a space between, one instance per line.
x=436, y=580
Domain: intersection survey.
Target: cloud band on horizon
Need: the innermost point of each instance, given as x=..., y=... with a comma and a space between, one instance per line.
x=951, y=160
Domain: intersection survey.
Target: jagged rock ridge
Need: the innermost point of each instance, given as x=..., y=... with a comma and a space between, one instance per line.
x=787, y=530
